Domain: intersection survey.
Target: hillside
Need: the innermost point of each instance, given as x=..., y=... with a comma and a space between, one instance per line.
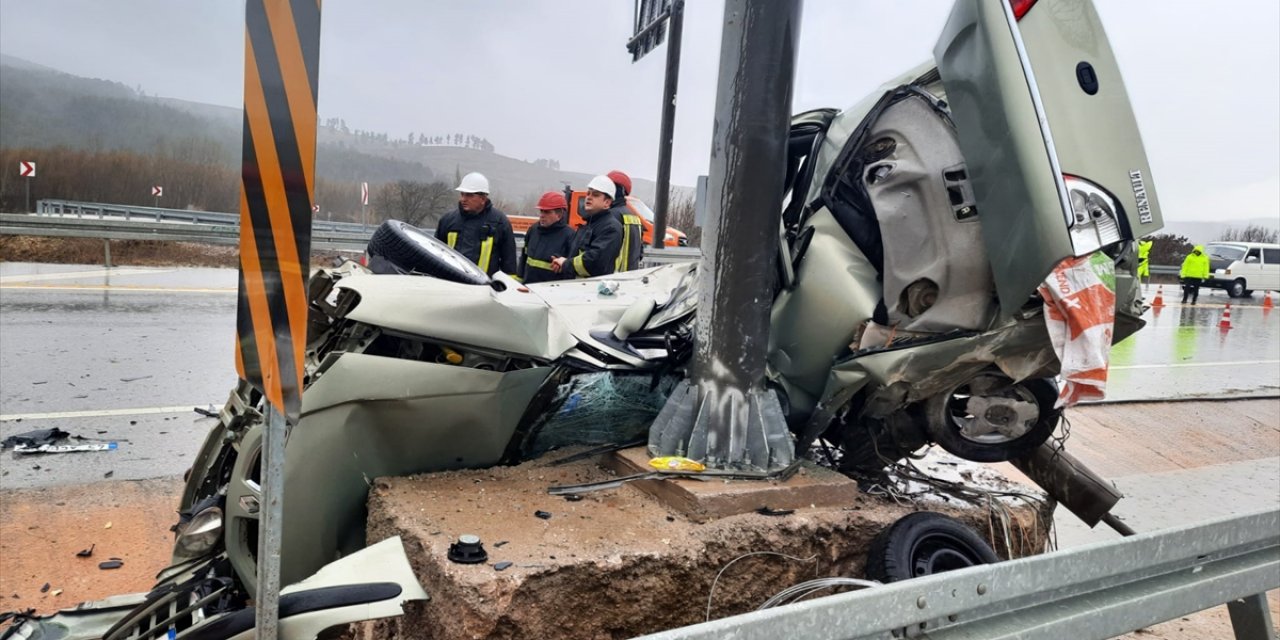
x=42, y=108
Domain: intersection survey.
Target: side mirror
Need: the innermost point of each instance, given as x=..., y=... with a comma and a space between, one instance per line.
x=633, y=318
x=1251, y=260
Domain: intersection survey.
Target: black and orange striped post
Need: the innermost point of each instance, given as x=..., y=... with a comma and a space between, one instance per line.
x=281, y=64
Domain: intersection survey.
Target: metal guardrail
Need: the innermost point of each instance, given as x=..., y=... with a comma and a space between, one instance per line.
x=1096, y=591
x=115, y=229
x=160, y=214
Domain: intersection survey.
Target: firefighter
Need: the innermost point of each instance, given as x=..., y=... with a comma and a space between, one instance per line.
x=632, y=228
x=597, y=244
x=478, y=230
x=1195, y=269
x=1144, y=260
x=551, y=238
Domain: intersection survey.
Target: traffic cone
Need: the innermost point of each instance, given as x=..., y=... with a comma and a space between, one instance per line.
x=1266, y=300
x=1225, y=322
x=1159, y=301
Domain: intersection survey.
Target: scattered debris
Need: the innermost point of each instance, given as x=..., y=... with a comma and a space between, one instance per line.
x=108, y=474
x=45, y=588
x=56, y=592
x=41, y=382
x=573, y=497
x=467, y=550
x=499, y=543
x=68, y=448
x=208, y=413
x=545, y=515
x=107, y=526
x=502, y=566
x=134, y=379
x=677, y=463
x=111, y=564
x=34, y=438
x=85, y=553
x=766, y=511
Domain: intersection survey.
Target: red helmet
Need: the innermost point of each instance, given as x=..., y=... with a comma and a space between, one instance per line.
x=552, y=200
x=622, y=180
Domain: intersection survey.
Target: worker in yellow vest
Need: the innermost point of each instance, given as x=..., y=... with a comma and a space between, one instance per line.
x=1144, y=260
x=478, y=230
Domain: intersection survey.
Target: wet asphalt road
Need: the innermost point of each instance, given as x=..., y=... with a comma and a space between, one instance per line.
x=125, y=355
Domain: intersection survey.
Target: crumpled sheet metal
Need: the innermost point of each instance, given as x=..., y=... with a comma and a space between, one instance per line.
x=543, y=320
x=1020, y=349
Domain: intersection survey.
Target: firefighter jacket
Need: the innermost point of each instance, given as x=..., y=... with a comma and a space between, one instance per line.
x=632, y=236
x=1196, y=265
x=485, y=238
x=596, y=246
x=541, y=244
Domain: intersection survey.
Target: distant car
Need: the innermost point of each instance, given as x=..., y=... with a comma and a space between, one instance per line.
x=1244, y=267
x=675, y=237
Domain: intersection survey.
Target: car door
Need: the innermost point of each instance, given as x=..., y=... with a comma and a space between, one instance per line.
x=1270, y=269
x=1050, y=140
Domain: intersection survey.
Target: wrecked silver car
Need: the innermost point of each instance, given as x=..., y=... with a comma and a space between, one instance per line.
x=918, y=226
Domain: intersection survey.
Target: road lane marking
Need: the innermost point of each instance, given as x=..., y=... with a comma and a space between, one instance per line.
x=186, y=408
x=1194, y=364
x=113, y=288
x=34, y=277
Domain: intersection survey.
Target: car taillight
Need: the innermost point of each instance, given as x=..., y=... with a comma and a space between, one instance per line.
x=1021, y=7
x=1094, y=219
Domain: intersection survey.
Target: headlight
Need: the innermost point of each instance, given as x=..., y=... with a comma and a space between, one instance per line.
x=1094, y=216
x=202, y=533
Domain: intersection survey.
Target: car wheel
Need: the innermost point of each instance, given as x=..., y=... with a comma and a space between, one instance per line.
x=412, y=250
x=1236, y=289
x=925, y=543
x=990, y=418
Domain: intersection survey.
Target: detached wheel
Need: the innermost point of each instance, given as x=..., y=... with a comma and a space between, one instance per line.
x=413, y=251
x=925, y=543
x=990, y=418
x=1236, y=289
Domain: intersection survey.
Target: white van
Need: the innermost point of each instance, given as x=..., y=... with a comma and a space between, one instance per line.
x=1243, y=267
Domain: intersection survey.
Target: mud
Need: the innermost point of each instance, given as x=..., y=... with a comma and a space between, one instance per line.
x=617, y=563
x=141, y=253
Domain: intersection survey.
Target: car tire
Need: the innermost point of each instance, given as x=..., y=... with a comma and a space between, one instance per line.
x=924, y=543
x=1236, y=289
x=411, y=250
x=943, y=421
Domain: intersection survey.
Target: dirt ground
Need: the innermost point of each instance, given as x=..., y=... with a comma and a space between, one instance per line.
x=618, y=562
x=138, y=253
x=42, y=530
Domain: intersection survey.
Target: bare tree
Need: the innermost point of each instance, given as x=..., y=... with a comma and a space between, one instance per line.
x=1251, y=233
x=1168, y=249
x=403, y=200
x=680, y=214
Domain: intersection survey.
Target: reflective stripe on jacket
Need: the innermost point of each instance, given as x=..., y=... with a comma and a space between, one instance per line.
x=632, y=236
x=597, y=245
x=541, y=244
x=485, y=238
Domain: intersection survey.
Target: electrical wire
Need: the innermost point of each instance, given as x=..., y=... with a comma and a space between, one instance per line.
x=813, y=558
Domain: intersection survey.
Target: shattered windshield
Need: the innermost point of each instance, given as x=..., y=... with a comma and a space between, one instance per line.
x=1225, y=251
x=684, y=298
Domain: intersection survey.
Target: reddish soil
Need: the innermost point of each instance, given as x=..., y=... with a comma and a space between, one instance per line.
x=41, y=530
x=617, y=563
x=141, y=253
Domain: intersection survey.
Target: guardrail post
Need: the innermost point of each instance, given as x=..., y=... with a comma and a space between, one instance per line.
x=106, y=253
x=1251, y=619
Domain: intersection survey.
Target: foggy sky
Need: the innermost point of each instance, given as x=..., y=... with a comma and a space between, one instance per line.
x=551, y=78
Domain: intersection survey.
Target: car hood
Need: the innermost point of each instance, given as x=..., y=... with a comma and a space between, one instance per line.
x=542, y=320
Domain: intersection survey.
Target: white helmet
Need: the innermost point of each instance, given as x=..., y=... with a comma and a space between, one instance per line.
x=604, y=185
x=474, y=183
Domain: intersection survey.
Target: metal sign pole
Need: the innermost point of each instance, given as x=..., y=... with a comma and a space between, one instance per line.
x=726, y=416
x=28, y=183
x=272, y=509
x=661, y=200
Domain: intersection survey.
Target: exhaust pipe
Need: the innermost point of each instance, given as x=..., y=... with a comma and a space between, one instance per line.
x=1073, y=485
